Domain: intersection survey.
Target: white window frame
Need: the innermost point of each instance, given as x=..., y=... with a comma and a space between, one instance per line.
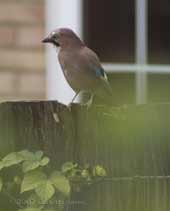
x=69, y=14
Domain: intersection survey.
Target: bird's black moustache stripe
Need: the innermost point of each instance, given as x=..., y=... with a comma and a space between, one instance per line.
x=56, y=43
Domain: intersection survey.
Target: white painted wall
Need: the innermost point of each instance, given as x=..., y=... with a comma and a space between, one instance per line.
x=60, y=13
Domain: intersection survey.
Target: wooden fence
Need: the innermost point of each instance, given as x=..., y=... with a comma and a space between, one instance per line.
x=132, y=143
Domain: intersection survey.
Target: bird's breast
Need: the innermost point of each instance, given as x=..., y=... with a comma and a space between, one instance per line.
x=72, y=77
x=76, y=71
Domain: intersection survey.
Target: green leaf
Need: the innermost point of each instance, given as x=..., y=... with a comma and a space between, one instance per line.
x=32, y=180
x=38, y=155
x=17, y=180
x=44, y=161
x=68, y=166
x=99, y=171
x=85, y=173
x=12, y=159
x=30, y=209
x=45, y=191
x=30, y=165
x=27, y=155
x=33, y=161
x=60, y=182
x=1, y=184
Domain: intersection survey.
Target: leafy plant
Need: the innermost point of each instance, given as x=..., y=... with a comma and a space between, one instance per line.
x=36, y=187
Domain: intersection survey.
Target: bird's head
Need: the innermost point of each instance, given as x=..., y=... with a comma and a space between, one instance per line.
x=63, y=37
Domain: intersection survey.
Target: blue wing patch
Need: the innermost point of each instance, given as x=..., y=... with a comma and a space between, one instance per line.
x=100, y=72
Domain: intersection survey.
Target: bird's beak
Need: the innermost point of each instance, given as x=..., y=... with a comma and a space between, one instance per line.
x=50, y=40
x=47, y=40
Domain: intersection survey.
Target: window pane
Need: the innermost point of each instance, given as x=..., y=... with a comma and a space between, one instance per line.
x=158, y=87
x=109, y=29
x=159, y=31
x=123, y=86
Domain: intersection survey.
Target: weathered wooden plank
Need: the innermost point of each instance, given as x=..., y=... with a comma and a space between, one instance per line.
x=37, y=125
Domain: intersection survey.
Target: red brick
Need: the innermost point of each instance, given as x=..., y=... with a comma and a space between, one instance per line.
x=7, y=36
x=22, y=60
x=29, y=36
x=21, y=12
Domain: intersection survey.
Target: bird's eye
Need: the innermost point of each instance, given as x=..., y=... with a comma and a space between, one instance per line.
x=54, y=36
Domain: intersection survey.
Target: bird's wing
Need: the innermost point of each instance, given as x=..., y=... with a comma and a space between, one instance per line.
x=83, y=70
x=93, y=67
x=92, y=63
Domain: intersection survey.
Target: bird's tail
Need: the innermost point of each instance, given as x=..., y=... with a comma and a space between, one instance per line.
x=108, y=89
x=105, y=94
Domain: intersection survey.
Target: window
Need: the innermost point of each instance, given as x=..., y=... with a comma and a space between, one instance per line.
x=159, y=32
x=132, y=40
x=109, y=29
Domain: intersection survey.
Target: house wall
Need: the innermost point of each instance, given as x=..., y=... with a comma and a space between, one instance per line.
x=22, y=74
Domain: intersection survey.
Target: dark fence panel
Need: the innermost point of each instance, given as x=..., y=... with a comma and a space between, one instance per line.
x=132, y=143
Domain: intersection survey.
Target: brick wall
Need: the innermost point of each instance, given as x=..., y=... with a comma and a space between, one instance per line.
x=21, y=52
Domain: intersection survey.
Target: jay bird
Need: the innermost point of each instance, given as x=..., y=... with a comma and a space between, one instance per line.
x=80, y=65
